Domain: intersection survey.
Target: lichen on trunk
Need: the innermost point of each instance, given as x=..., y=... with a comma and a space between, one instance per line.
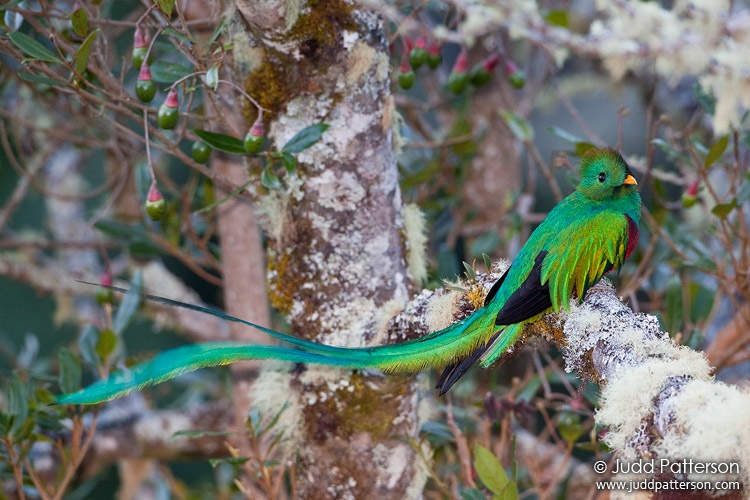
x=336, y=247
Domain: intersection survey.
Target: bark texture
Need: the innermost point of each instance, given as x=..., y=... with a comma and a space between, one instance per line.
x=336, y=248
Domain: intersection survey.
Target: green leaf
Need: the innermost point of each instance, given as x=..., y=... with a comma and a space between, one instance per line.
x=558, y=18
x=231, y=461
x=179, y=35
x=530, y=389
x=563, y=134
x=437, y=431
x=87, y=345
x=81, y=58
x=70, y=371
x=471, y=275
x=218, y=31
x=34, y=78
x=487, y=262
x=35, y=50
x=145, y=248
x=289, y=161
x=80, y=21
x=212, y=77
x=167, y=72
x=520, y=128
x=129, y=305
x=222, y=142
x=119, y=229
x=18, y=402
x=166, y=6
x=269, y=179
x=25, y=430
x=275, y=419
x=472, y=494
x=723, y=209
x=666, y=147
x=490, y=470
x=10, y=4
x=462, y=127
x=569, y=427
x=253, y=421
x=106, y=343
x=717, y=149
x=305, y=138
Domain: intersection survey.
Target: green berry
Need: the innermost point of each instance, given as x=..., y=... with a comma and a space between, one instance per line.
x=517, y=79
x=140, y=47
x=156, y=206
x=137, y=56
x=690, y=195
x=434, y=57
x=459, y=78
x=457, y=82
x=406, y=79
x=569, y=427
x=417, y=57
x=482, y=72
x=105, y=295
x=168, y=112
x=145, y=88
x=479, y=76
x=688, y=200
x=167, y=117
x=254, y=138
x=418, y=54
x=201, y=151
x=252, y=143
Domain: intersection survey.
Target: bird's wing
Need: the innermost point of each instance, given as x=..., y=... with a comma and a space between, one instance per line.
x=589, y=247
x=527, y=301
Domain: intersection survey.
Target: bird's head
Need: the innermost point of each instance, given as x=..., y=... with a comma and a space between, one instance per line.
x=605, y=175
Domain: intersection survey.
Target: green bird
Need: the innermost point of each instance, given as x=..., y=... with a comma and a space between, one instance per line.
x=589, y=233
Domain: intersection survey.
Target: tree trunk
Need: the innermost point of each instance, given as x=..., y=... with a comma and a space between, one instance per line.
x=336, y=248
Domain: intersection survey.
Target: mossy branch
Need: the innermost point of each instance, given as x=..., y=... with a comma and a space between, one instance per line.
x=659, y=399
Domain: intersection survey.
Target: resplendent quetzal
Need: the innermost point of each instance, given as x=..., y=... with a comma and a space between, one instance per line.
x=589, y=233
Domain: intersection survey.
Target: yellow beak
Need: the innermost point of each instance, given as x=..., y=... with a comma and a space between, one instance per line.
x=630, y=180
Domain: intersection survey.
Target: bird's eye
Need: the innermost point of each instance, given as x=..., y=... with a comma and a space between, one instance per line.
x=602, y=177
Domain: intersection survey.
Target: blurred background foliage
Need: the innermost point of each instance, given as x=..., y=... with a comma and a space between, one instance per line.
x=484, y=161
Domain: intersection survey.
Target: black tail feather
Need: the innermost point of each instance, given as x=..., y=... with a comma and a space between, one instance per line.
x=453, y=372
